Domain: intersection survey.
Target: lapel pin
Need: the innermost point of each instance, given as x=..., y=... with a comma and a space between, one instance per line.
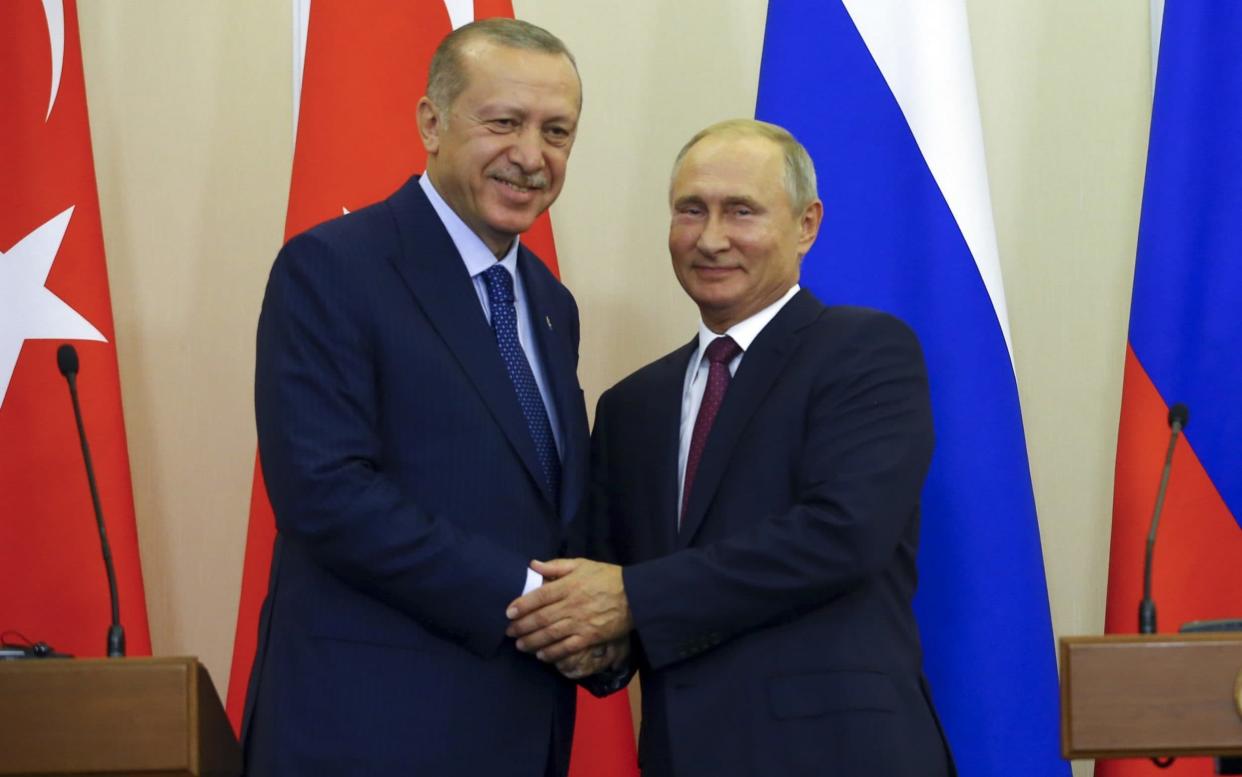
x=549, y=320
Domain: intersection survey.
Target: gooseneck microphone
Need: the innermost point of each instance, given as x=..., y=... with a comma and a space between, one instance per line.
x=1178, y=417
x=67, y=361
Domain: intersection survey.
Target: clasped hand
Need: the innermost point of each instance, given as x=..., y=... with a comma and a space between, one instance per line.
x=579, y=619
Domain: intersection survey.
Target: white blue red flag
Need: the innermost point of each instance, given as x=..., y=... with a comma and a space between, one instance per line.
x=1185, y=344
x=882, y=94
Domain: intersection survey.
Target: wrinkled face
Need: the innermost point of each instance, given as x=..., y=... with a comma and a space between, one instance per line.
x=735, y=241
x=497, y=155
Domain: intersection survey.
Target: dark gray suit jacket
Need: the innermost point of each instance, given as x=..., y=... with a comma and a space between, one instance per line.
x=408, y=500
x=774, y=634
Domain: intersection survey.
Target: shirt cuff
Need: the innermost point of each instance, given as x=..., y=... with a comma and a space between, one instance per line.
x=533, y=581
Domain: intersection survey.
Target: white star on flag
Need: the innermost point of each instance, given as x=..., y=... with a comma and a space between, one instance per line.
x=28, y=311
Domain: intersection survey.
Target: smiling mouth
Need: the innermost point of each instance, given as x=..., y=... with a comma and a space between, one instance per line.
x=517, y=187
x=714, y=269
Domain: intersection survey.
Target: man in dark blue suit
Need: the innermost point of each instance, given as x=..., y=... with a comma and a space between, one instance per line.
x=758, y=491
x=423, y=436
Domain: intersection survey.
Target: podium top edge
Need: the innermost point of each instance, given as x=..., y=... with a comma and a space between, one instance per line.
x=1229, y=637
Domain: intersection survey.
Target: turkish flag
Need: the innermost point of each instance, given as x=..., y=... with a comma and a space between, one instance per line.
x=53, y=290
x=364, y=70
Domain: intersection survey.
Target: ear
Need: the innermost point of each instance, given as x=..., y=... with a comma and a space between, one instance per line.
x=808, y=225
x=430, y=122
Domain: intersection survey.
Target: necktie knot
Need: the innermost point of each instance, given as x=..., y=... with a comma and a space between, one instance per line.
x=499, y=284
x=722, y=350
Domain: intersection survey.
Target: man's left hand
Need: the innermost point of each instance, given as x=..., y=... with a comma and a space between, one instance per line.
x=581, y=603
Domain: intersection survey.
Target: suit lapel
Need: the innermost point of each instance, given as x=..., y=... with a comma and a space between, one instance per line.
x=552, y=333
x=433, y=271
x=665, y=421
x=761, y=366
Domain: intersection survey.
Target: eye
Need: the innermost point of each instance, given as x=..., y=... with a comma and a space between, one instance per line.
x=503, y=124
x=557, y=135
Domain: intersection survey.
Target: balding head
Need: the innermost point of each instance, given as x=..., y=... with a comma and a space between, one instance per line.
x=448, y=76
x=799, y=173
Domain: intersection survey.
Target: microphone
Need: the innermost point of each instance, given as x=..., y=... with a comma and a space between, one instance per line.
x=1179, y=415
x=67, y=361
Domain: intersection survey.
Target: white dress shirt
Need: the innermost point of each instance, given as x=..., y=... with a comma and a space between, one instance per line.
x=743, y=333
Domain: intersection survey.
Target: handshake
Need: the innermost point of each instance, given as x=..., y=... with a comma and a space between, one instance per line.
x=579, y=619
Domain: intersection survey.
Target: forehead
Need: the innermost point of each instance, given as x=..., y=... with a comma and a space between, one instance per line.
x=503, y=73
x=731, y=165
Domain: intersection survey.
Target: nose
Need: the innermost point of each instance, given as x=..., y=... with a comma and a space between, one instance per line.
x=527, y=150
x=713, y=239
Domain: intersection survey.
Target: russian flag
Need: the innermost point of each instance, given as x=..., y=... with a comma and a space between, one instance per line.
x=882, y=94
x=1185, y=338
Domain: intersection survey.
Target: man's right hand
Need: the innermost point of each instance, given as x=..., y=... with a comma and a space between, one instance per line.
x=596, y=659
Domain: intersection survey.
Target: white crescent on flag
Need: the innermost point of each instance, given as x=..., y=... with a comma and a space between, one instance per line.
x=54, y=10
x=461, y=12
x=28, y=311
x=301, y=21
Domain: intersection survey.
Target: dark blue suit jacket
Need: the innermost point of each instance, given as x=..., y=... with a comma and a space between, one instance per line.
x=408, y=501
x=774, y=634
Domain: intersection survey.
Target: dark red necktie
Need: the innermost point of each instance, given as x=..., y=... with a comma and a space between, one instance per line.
x=720, y=352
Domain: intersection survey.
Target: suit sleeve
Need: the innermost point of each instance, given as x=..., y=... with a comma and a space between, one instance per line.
x=859, y=472
x=316, y=389
x=592, y=539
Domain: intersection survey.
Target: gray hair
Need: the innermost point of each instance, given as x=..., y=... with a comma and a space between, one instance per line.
x=447, y=78
x=799, y=178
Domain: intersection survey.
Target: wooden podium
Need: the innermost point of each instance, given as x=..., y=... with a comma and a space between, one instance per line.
x=1130, y=696
x=156, y=717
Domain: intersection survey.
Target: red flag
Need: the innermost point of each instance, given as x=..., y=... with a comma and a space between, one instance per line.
x=53, y=290
x=364, y=70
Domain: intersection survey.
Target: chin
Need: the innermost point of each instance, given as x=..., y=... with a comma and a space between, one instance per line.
x=510, y=225
x=711, y=303
x=511, y=220
x=716, y=295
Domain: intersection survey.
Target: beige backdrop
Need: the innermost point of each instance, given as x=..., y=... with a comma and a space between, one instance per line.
x=191, y=119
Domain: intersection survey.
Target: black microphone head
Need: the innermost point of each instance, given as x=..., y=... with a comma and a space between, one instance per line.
x=67, y=360
x=1180, y=414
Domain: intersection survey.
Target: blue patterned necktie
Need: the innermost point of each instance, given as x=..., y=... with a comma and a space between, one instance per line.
x=504, y=323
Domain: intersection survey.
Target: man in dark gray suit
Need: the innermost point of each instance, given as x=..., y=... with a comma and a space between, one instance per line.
x=423, y=436
x=758, y=492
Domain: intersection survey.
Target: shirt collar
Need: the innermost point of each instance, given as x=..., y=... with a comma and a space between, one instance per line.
x=474, y=252
x=745, y=331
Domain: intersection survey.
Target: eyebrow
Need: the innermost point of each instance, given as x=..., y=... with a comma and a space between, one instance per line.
x=503, y=108
x=729, y=202
x=744, y=201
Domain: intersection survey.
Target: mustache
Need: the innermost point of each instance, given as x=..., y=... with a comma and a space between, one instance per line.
x=518, y=178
